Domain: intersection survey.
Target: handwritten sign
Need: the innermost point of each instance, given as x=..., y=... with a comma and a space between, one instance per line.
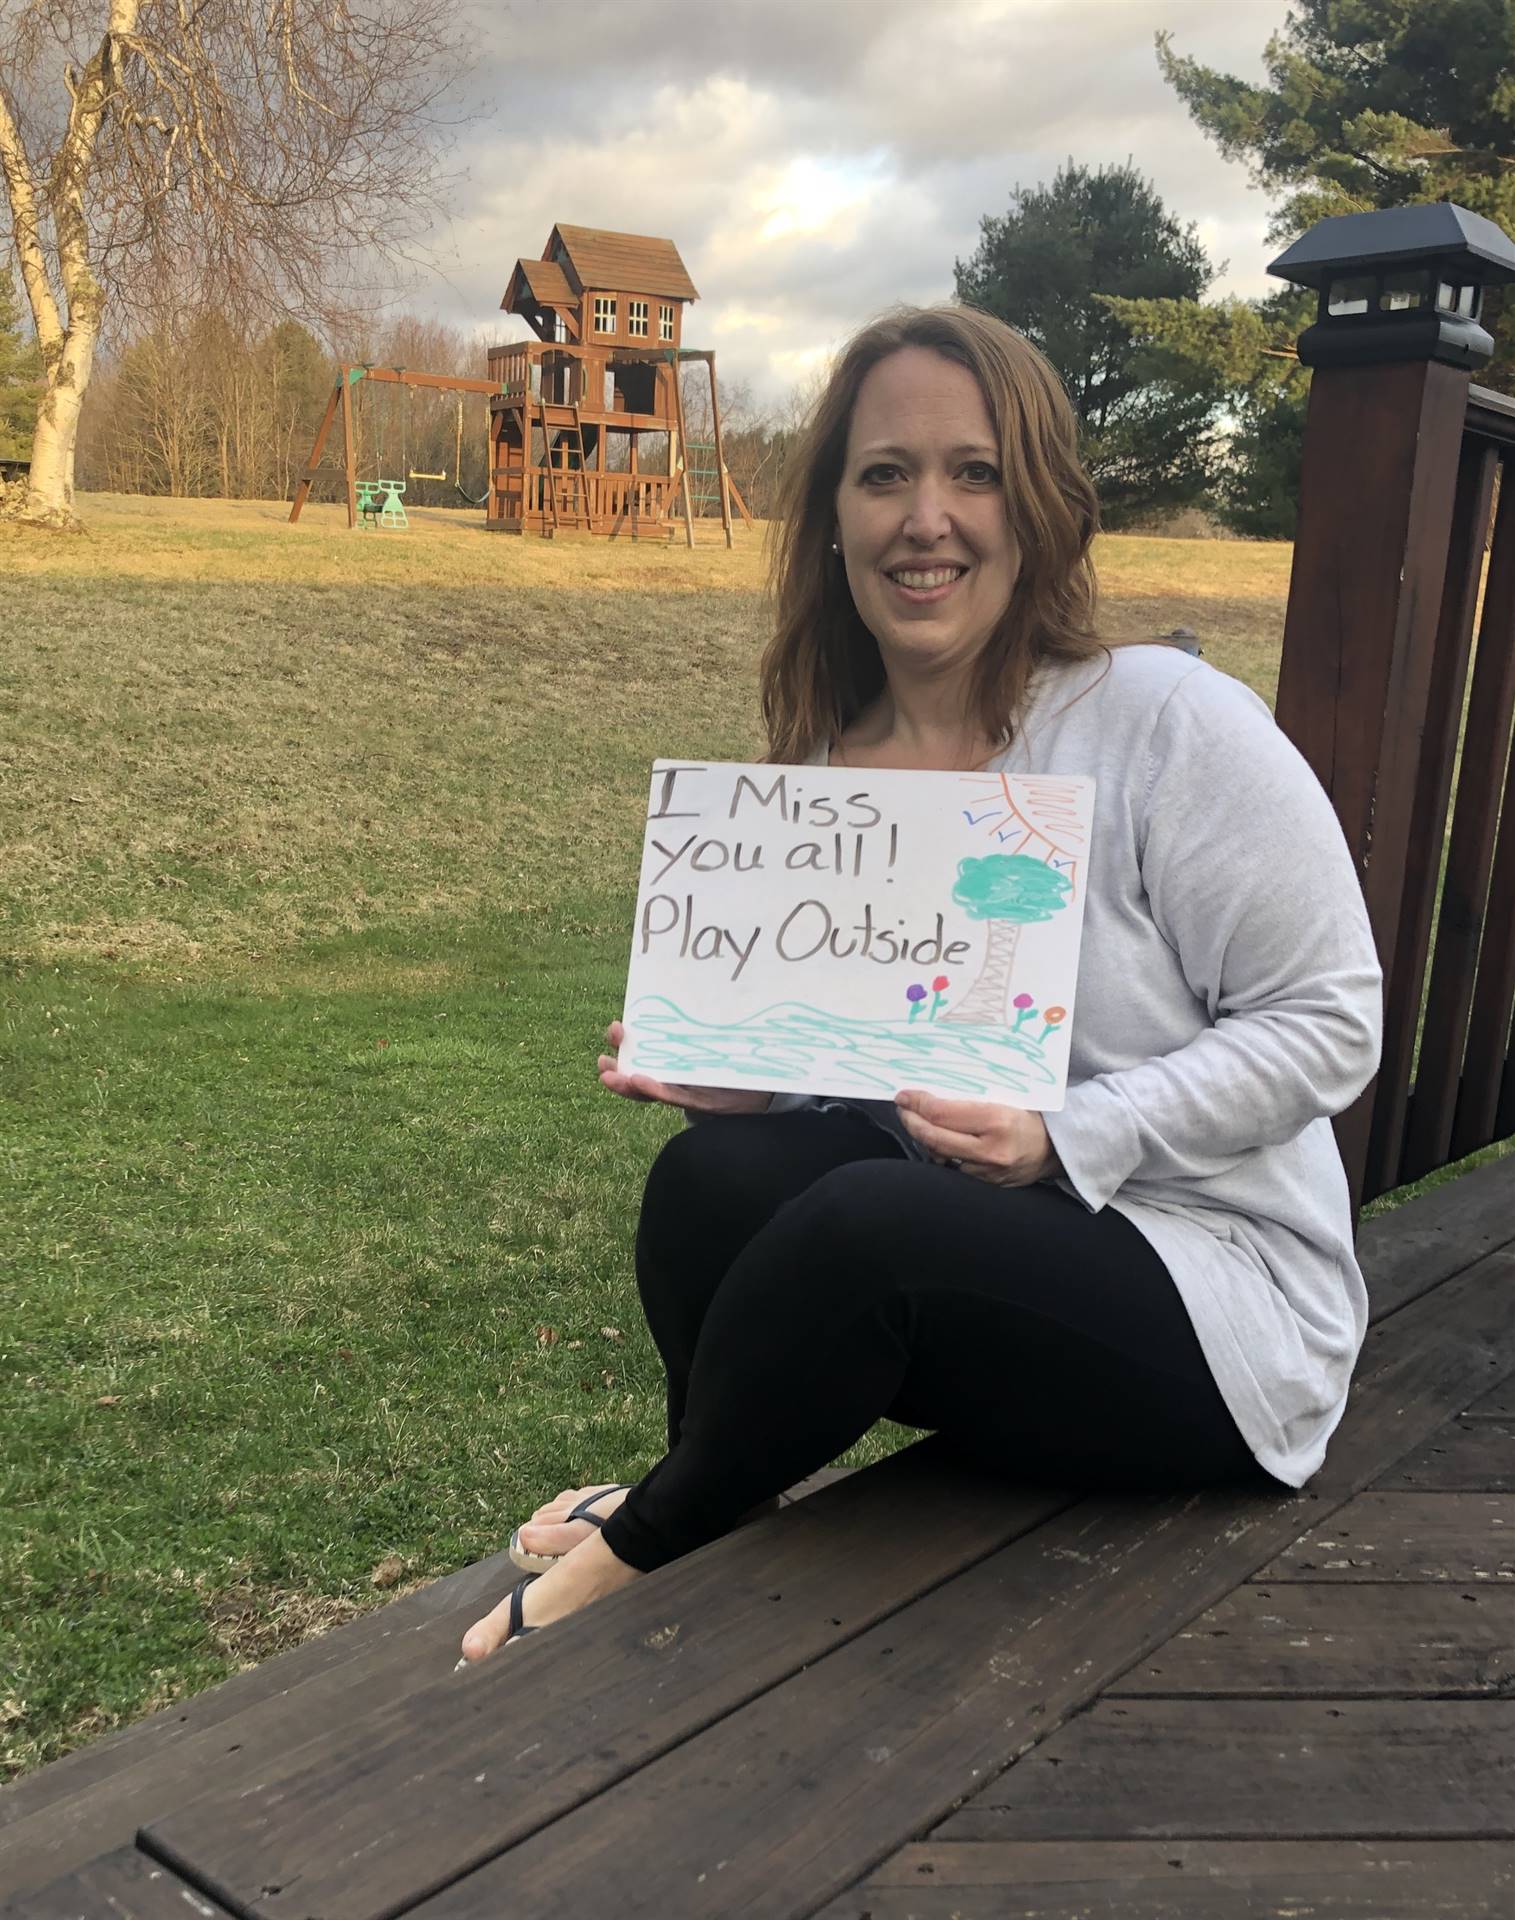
x=851, y=931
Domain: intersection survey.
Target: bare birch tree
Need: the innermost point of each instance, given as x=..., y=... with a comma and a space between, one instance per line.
x=275, y=150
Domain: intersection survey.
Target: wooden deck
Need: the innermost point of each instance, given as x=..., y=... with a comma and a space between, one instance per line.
x=910, y=1694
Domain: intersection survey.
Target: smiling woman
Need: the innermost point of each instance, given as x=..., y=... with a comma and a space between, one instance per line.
x=1153, y=1285
x=944, y=445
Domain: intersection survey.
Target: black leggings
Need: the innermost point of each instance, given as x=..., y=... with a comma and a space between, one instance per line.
x=803, y=1278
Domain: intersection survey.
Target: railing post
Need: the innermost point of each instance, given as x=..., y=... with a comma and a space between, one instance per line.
x=1392, y=353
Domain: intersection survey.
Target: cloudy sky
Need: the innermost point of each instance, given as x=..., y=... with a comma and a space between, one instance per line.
x=817, y=160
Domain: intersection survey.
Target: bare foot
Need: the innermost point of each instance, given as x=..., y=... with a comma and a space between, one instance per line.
x=545, y=1531
x=585, y=1574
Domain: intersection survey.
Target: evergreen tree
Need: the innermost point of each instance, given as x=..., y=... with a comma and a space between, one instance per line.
x=1366, y=104
x=1246, y=348
x=1045, y=265
x=20, y=373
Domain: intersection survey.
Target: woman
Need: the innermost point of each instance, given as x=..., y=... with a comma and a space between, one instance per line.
x=1154, y=1285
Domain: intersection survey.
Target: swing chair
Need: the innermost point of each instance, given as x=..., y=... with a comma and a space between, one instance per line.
x=381, y=502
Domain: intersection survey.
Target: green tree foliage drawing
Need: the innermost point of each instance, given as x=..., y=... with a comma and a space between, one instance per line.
x=1044, y=265
x=1009, y=891
x=20, y=376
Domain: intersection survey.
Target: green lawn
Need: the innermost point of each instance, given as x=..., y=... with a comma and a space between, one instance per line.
x=316, y=874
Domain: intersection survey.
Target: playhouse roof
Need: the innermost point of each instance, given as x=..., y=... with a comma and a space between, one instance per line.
x=631, y=262
x=545, y=281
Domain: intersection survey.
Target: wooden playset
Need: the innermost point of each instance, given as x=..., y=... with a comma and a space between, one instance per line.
x=587, y=425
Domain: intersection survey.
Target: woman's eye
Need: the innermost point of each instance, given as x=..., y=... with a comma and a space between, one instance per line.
x=879, y=475
x=981, y=472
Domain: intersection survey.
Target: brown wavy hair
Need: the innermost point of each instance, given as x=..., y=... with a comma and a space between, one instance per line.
x=822, y=666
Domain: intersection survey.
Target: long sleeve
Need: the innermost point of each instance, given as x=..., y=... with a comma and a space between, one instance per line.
x=1251, y=885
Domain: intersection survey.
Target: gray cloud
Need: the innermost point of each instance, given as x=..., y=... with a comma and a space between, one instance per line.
x=816, y=160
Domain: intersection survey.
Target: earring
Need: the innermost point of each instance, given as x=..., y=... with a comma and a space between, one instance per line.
x=834, y=547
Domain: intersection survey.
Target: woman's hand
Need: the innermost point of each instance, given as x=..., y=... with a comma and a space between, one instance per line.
x=1008, y=1146
x=641, y=1086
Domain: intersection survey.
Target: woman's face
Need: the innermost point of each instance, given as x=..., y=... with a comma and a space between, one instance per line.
x=920, y=512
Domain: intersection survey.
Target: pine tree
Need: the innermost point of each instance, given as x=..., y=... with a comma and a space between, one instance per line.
x=1366, y=104
x=1374, y=103
x=20, y=372
x=1047, y=266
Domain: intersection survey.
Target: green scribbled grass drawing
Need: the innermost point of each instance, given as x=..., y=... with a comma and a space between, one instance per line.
x=791, y=1039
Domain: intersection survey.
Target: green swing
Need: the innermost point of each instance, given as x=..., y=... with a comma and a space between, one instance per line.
x=381, y=502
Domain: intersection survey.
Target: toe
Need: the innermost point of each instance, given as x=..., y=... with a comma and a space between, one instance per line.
x=551, y=1537
x=485, y=1635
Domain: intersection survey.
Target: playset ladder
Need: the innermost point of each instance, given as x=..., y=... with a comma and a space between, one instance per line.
x=569, y=425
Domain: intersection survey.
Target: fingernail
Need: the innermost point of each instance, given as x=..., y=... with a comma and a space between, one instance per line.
x=460, y=1666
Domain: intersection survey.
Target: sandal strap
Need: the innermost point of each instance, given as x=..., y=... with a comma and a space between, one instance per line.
x=581, y=1511
x=518, y=1624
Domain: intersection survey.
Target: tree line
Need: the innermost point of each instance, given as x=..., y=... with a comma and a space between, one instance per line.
x=1183, y=400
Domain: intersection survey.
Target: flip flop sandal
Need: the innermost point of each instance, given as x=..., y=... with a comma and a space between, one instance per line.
x=531, y=1562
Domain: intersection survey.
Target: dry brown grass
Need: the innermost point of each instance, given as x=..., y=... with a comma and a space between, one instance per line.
x=228, y=737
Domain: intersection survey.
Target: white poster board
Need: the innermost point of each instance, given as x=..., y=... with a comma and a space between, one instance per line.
x=851, y=931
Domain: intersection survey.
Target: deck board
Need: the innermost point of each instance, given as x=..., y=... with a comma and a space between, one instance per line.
x=122, y=1885
x=1341, y=1641
x=1467, y=1456
x=1260, y=1769
x=1187, y=1880
x=1406, y=1536
x=1498, y=1405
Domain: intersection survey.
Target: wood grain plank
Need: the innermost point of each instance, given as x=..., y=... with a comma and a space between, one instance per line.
x=492, y=1753
x=1362, y=1641
x=1187, y=1880
x=1498, y=1405
x=1410, y=1249
x=122, y=1885
x=782, y=1805
x=1260, y=1769
x=1467, y=1456
x=1406, y=1536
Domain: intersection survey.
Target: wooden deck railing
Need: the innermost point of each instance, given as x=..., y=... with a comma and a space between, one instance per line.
x=511, y=366
x=1398, y=685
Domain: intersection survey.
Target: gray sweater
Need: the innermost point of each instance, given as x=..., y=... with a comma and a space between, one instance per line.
x=1229, y=1001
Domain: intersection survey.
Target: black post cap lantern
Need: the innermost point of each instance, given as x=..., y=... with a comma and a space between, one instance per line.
x=1402, y=284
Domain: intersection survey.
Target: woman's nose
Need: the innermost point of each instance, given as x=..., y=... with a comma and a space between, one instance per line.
x=926, y=516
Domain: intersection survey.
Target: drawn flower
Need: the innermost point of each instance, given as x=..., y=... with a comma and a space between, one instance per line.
x=1023, y=1004
x=915, y=994
x=1054, y=1017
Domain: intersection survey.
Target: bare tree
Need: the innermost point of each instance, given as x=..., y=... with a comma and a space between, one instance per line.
x=280, y=150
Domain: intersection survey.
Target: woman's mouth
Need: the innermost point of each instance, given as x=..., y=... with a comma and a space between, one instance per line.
x=920, y=585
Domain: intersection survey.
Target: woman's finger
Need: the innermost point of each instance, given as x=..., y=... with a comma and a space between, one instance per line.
x=946, y=1143
x=973, y=1118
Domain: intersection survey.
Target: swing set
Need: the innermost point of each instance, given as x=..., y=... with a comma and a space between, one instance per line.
x=380, y=502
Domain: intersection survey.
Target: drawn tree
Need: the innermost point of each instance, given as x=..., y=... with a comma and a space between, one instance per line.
x=264, y=157
x=1010, y=891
